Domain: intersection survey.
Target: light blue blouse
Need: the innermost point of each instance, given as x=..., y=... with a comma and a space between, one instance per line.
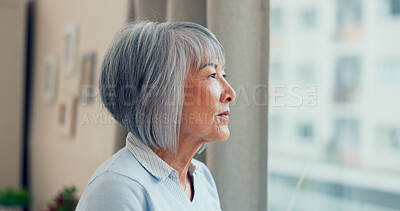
x=135, y=178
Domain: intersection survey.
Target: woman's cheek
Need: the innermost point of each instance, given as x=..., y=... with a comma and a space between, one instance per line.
x=209, y=95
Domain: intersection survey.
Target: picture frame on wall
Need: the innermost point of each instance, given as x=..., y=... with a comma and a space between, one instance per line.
x=50, y=78
x=70, y=42
x=87, y=78
x=66, y=118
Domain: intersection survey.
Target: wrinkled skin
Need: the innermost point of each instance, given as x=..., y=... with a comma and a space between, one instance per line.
x=207, y=94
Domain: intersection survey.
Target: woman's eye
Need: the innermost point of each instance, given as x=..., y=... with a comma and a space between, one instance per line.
x=214, y=75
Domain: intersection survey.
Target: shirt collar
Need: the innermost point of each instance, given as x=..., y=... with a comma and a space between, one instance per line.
x=151, y=161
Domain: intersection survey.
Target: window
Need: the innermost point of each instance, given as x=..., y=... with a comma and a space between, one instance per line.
x=395, y=7
x=341, y=152
x=349, y=16
x=347, y=141
x=388, y=138
x=349, y=12
x=347, y=79
x=308, y=18
x=305, y=132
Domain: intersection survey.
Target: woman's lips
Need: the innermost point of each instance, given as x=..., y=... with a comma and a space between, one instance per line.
x=224, y=115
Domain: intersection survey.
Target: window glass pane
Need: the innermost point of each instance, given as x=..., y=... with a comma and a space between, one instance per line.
x=394, y=7
x=334, y=117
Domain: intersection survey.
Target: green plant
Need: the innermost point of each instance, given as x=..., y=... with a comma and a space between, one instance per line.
x=65, y=200
x=14, y=197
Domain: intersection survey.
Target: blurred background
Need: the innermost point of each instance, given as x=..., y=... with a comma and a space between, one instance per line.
x=54, y=131
x=338, y=149
x=333, y=74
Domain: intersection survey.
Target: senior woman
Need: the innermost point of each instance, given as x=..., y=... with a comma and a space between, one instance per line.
x=165, y=83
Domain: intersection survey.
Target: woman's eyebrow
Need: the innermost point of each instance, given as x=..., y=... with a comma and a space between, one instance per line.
x=209, y=64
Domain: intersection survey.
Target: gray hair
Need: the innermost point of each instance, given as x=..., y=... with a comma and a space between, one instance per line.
x=143, y=76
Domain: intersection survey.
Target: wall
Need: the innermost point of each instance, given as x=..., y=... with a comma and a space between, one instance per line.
x=57, y=161
x=243, y=30
x=12, y=18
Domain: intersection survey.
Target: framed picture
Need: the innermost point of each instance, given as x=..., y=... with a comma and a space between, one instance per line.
x=67, y=115
x=50, y=81
x=87, y=78
x=70, y=48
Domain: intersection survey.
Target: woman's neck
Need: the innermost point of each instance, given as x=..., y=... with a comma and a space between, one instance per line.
x=180, y=162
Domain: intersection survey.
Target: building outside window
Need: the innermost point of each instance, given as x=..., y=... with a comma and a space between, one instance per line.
x=343, y=152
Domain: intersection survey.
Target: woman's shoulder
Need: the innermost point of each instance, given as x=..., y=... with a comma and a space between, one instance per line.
x=110, y=180
x=115, y=182
x=112, y=191
x=122, y=165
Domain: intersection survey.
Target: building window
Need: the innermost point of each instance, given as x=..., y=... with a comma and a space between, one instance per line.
x=347, y=79
x=349, y=12
x=347, y=133
x=395, y=7
x=305, y=132
x=308, y=18
x=388, y=138
x=349, y=18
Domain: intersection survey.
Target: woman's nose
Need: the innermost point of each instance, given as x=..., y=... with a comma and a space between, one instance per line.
x=229, y=93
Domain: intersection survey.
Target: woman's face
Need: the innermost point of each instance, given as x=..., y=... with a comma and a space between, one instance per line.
x=205, y=113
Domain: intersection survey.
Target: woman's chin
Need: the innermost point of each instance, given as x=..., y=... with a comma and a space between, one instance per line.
x=222, y=137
